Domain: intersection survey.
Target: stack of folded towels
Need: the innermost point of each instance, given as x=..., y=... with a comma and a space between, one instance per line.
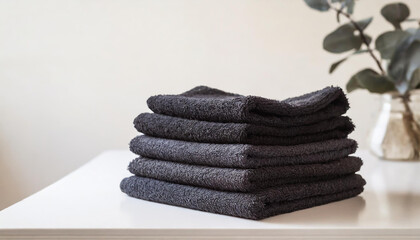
x=244, y=156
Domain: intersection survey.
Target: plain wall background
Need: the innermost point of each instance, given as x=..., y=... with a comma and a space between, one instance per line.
x=74, y=74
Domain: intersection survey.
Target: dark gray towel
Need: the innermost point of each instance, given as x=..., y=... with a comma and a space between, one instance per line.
x=208, y=104
x=241, y=155
x=163, y=126
x=258, y=205
x=241, y=180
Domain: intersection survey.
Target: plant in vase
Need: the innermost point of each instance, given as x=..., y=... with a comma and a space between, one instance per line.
x=396, y=54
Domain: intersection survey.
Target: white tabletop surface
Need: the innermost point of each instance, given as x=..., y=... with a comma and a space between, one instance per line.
x=89, y=204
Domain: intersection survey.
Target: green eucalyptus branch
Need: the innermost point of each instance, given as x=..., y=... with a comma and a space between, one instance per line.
x=399, y=47
x=362, y=36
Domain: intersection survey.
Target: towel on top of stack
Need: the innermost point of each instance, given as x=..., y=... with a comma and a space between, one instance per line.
x=243, y=156
x=209, y=104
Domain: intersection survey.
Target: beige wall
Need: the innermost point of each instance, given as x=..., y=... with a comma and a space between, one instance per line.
x=74, y=74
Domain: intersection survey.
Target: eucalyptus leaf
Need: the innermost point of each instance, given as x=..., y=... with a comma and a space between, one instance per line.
x=370, y=80
x=364, y=22
x=415, y=79
x=352, y=85
x=405, y=60
x=412, y=31
x=414, y=57
x=387, y=42
x=395, y=13
x=320, y=5
x=336, y=64
x=342, y=39
x=350, y=6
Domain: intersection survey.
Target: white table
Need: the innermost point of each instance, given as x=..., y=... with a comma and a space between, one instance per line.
x=88, y=204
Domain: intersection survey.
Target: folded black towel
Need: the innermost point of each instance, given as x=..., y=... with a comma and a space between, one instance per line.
x=241, y=155
x=163, y=126
x=208, y=104
x=259, y=205
x=241, y=180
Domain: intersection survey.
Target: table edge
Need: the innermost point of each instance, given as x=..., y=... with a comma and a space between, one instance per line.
x=348, y=233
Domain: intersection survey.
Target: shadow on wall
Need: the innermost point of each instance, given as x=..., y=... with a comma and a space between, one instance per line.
x=10, y=188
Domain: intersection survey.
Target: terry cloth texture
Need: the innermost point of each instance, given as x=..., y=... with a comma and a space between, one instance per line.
x=241, y=155
x=209, y=104
x=243, y=180
x=163, y=126
x=258, y=205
